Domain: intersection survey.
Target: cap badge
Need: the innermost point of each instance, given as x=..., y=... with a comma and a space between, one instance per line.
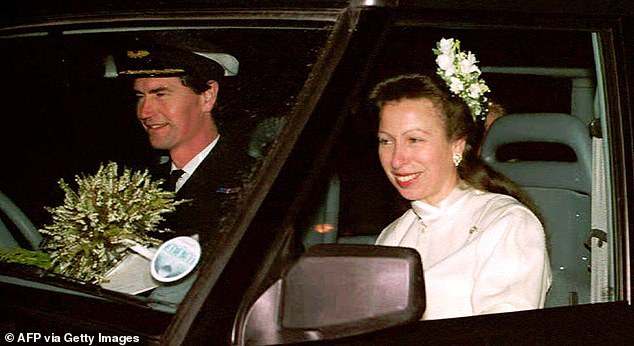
x=137, y=54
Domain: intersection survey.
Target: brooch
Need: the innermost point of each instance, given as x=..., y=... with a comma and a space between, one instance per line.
x=228, y=190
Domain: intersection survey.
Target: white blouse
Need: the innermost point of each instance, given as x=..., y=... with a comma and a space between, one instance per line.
x=482, y=253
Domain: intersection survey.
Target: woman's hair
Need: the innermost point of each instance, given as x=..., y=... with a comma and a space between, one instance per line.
x=459, y=123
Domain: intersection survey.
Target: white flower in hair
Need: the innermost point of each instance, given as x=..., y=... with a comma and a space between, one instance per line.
x=445, y=62
x=446, y=45
x=459, y=70
x=475, y=90
x=456, y=85
x=468, y=65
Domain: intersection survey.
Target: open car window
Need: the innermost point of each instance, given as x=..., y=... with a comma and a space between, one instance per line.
x=555, y=139
x=548, y=83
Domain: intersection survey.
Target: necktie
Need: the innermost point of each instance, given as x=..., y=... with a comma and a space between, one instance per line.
x=173, y=178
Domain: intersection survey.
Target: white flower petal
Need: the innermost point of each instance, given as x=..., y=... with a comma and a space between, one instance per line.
x=446, y=45
x=445, y=61
x=475, y=91
x=456, y=85
x=450, y=71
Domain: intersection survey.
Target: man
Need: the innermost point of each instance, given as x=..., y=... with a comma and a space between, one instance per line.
x=176, y=93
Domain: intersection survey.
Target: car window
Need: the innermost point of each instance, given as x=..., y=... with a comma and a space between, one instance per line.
x=536, y=75
x=70, y=113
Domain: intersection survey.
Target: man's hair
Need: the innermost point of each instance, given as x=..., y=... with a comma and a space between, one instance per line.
x=197, y=84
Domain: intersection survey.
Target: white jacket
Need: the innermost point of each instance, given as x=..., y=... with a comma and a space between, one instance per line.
x=482, y=253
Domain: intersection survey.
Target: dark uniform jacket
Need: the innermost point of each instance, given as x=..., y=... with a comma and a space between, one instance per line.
x=212, y=191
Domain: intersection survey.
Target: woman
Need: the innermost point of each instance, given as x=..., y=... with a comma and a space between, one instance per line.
x=483, y=251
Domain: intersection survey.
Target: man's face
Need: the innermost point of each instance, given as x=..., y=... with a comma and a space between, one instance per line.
x=173, y=115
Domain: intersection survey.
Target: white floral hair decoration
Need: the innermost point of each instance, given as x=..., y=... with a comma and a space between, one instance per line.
x=459, y=70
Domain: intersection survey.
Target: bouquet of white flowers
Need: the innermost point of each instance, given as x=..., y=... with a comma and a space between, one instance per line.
x=459, y=70
x=95, y=226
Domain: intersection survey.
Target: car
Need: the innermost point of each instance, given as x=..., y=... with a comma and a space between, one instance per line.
x=296, y=260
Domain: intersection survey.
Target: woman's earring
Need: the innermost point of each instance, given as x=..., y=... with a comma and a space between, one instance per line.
x=457, y=158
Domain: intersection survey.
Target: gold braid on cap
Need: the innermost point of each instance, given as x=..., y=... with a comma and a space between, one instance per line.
x=137, y=54
x=153, y=72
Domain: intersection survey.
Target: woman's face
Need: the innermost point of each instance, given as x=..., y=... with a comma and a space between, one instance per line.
x=415, y=152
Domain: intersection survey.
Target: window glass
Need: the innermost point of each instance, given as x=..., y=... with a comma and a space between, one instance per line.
x=64, y=116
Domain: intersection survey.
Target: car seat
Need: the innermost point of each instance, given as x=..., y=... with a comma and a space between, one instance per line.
x=549, y=156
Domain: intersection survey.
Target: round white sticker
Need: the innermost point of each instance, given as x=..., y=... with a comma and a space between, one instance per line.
x=175, y=258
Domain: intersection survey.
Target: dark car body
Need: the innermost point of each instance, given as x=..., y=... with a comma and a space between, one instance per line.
x=312, y=63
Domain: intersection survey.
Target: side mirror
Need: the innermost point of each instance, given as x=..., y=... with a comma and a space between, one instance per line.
x=338, y=290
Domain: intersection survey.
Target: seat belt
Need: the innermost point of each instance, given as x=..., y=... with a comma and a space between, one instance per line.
x=599, y=240
x=599, y=245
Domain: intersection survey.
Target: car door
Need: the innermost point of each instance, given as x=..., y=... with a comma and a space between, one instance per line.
x=536, y=63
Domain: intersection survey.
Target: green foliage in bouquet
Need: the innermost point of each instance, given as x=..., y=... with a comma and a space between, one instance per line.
x=109, y=212
x=39, y=259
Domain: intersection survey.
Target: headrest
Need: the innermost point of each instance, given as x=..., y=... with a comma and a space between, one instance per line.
x=529, y=128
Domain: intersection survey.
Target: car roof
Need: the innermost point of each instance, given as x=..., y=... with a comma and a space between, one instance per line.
x=18, y=10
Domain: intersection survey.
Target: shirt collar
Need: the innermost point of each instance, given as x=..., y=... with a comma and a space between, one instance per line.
x=191, y=166
x=429, y=213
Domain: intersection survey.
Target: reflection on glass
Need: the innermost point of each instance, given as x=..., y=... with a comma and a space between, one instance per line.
x=80, y=118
